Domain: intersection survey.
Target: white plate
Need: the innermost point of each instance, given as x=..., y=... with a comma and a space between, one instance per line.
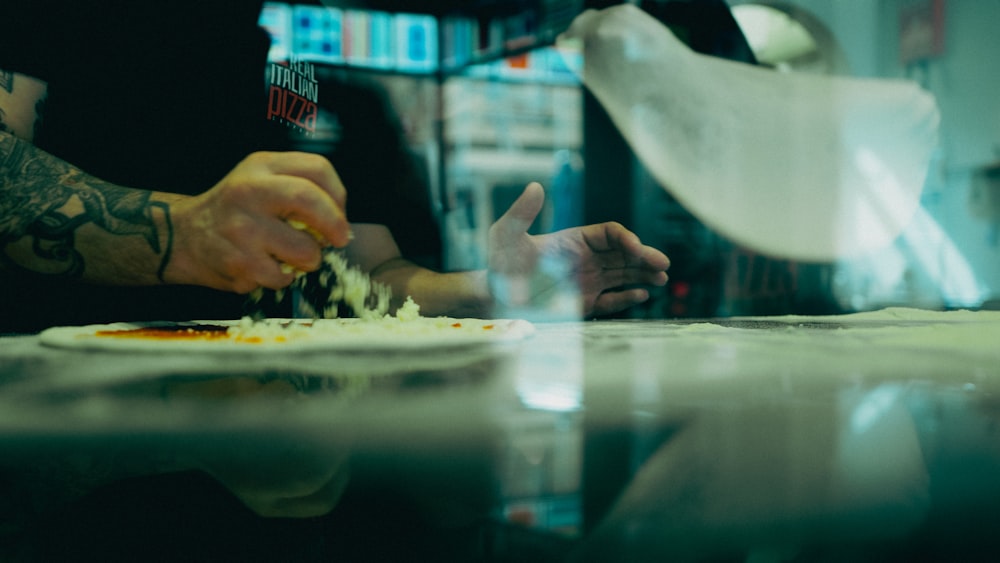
x=345, y=335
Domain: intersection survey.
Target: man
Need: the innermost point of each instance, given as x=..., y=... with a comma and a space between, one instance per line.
x=142, y=181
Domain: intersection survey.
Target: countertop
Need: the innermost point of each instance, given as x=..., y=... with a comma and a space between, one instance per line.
x=873, y=436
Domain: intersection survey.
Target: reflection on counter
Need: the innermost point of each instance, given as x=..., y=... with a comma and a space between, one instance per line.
x=870, y=436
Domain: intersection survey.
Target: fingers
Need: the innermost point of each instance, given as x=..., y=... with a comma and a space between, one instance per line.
x=304, y=486
x=617, y=247
x=287, y=251
x=290, y=192
x=308, y=505
x=522, y=213
x=619, y=260
x=617, y=277
x=645, y=268
x=614, y=301
x=314, y=168
x=294, y=247
x=243, y=273
x=267, y=220
x=295, y=201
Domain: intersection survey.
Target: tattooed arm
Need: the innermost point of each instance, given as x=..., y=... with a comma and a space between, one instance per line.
x=57, y=220
x=20, y=109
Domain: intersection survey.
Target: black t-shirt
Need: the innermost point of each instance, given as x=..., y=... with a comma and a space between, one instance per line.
x=166, y=96
x=163, y=96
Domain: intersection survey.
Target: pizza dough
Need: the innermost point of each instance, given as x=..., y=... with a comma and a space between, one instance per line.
x=810, y=168
x=418, y=334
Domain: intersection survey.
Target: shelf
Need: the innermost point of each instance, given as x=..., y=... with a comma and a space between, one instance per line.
x=437, y=8
x=436, y=38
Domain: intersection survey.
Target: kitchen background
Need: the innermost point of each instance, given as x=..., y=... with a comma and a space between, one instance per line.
x=487, y=104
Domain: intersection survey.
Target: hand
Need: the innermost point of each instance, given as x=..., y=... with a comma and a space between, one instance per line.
x=237, y=236
x=600, y=259
x=282, y=475
x=294, y=482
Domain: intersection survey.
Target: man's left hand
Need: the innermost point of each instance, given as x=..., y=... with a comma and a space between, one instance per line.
x=604, y=260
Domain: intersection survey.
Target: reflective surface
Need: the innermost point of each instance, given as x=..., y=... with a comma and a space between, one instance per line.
x=860, y=437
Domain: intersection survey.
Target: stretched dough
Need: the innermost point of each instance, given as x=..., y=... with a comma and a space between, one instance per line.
x=811, y=168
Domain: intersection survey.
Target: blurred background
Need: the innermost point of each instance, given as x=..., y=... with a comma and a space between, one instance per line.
x=481, y=101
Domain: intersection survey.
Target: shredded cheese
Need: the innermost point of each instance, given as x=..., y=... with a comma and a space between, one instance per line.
x=342, y=283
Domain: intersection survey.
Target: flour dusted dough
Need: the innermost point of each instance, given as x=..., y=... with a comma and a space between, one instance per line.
x=812, y=168
x=410, y=333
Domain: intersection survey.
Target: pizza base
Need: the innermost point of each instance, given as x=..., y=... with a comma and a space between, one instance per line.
x=272, y=335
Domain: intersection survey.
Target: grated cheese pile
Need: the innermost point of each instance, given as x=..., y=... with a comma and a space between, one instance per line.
x=351, y=286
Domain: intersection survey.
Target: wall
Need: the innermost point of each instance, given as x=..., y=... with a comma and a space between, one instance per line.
x=966, y=82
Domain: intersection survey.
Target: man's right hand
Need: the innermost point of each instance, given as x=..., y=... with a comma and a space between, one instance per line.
x=237, y=236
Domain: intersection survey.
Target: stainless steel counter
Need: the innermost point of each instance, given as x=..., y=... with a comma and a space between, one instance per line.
x=872, y=437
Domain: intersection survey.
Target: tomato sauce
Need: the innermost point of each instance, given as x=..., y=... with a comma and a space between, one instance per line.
x=200, y=332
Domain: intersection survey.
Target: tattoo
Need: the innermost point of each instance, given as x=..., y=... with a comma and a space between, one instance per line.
x=170, y=238
x=52, y=237
x=7, y=80
x=40, y=185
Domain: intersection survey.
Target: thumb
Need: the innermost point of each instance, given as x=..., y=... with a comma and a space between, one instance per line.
x=522, y=212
